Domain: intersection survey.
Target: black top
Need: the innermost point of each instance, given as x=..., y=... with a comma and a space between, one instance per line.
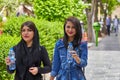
x=29, y=60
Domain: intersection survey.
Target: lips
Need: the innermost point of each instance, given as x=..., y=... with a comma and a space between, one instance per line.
x=70, y=32
x=26, y=36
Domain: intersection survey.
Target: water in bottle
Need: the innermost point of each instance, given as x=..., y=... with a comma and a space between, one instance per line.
x=12, y=66
x=69, y=55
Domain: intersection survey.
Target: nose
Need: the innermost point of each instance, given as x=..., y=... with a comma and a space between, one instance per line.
x=70, y=29
x=26, y=32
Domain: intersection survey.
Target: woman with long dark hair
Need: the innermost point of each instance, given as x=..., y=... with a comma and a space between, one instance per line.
x=29, y=54
x=64, y=68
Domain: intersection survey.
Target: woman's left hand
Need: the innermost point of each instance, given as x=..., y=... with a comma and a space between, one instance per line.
x=75, y=56
x=33, y=70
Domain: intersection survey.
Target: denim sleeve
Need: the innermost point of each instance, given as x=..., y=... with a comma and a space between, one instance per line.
x=56, y=62
x=84, y=55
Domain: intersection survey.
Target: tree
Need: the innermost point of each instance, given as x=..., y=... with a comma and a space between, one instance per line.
x=90, y=13
x=8, y=7
x=106, y=7
x=53, y=10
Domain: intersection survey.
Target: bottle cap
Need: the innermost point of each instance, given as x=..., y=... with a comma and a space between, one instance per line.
x=11, y=48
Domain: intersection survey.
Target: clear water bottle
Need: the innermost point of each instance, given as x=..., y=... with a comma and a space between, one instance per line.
x=12, y=66
x=69, y=55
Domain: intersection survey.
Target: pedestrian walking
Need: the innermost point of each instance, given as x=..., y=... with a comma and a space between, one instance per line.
x=67, y=65
x=29, y=54
x=116, y=23
x=108, y=24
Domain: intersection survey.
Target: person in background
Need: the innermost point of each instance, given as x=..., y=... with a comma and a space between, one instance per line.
x=108, y=24
x=62, y=69
x=115, y=24
x=29, y=55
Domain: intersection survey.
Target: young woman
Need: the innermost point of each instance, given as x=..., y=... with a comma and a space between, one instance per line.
x=62, y=69
x=29, y=55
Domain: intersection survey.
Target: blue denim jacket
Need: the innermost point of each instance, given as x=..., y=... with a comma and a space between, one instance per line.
x=61, y=69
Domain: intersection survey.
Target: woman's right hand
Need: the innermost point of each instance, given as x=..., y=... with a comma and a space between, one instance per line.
x=52, y=78
x=7, y=61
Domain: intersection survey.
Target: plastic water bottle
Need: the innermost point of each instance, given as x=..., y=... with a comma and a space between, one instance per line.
x=12, y=66
x=69, y=55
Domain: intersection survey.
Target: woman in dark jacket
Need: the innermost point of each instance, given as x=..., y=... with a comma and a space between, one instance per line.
x=29, y=55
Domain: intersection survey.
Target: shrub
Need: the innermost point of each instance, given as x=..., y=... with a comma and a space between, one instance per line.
x=6, y=42
x=58, y=10
x=0, y=19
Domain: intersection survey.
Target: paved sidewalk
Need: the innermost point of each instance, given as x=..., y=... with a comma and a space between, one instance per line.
x=103, y=65
x=104, y=61
x=107, y=43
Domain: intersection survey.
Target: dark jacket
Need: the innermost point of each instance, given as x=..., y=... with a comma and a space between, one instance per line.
x=26, y=59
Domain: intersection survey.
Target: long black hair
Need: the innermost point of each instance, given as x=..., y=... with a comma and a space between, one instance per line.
x=78, y=35
x=32, y=26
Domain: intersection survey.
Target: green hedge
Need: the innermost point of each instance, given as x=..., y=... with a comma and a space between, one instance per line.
x=6, y=42
x=58, y=10
x=49, y=33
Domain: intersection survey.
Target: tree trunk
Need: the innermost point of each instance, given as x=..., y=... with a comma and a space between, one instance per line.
x=96, y=11
x=104, y=19
x=96, y=16
x=89, y=13
x=104, y=30
x=90, y=29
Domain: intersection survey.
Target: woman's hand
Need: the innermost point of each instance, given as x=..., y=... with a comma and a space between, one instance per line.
x=52, y=78
x=33, y=70
x=7, y=61
x=75, y=56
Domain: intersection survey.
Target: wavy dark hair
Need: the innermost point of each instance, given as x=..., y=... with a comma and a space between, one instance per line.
x=78, y=36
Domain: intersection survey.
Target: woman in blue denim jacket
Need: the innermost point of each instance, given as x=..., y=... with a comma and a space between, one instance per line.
x=62, y=68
